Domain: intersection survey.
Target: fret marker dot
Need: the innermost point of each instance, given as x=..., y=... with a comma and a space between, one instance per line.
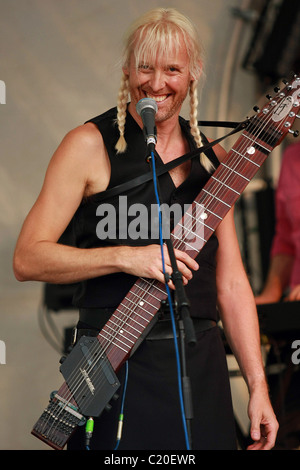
x=251, y=150
x=141, y=303
x=121, y=331
x=203, y=216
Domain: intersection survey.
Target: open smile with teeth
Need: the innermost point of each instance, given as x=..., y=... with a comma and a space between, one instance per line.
x=158, y=98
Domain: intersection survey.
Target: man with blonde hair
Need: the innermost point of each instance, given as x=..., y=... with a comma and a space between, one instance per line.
x=162, y=60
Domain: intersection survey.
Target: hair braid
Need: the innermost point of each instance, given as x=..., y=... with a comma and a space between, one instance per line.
x=194, y=124
x=121, y=115
x=193, y=113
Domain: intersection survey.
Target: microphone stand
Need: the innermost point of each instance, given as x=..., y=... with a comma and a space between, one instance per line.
x=185, y=323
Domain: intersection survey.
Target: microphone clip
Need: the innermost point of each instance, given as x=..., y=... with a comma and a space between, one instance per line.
x=150, y=139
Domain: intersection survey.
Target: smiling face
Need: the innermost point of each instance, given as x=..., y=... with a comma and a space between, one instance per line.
x=162, y=58
x=166, y=80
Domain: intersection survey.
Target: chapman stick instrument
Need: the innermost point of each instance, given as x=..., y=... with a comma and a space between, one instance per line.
x=90, y=369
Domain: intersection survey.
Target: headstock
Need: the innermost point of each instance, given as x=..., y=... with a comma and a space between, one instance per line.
x=280, y=112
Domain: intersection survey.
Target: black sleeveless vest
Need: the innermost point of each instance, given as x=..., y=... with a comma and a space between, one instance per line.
x=120, y=219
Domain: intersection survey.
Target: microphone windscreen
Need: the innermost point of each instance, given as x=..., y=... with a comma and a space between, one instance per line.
x=146, y=103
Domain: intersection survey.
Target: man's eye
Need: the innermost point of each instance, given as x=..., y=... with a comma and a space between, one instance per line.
x=144, y=67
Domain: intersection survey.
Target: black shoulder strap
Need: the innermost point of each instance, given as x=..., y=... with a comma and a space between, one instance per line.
x=121, y=188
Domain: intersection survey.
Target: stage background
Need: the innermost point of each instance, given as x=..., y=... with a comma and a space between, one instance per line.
x=59, y=60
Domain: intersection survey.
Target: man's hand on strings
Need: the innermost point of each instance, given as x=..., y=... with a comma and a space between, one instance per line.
x=147, y=262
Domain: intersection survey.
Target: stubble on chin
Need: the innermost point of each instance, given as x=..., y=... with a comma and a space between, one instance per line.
x=175, y=108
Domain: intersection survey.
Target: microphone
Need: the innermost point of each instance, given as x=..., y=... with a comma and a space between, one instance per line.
x=147, y=108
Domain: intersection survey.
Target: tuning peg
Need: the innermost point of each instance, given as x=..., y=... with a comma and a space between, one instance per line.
x=285, y=81
x=256, y=109
x=294, y=133
x=269, y=97
x=276, y=89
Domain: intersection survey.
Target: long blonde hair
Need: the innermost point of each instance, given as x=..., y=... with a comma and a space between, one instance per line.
x=154, y=35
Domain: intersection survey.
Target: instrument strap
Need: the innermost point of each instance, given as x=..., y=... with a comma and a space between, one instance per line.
x=121, y=188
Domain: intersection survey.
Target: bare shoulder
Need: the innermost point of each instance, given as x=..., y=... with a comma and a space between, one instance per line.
x=219, y=150
x=83, y=141
x=72, y=173
x=88, y=133
x=82, y=155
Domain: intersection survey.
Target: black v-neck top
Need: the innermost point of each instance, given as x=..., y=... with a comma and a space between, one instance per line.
x=123, y=219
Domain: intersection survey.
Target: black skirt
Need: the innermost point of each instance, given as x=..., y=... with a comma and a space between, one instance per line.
x=152, y=412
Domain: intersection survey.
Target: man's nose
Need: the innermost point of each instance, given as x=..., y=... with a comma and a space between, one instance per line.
x=157, y=81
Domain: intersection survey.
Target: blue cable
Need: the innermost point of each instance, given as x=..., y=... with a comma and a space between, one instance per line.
x=171, y=307
x=121, y=417
x=173, y=327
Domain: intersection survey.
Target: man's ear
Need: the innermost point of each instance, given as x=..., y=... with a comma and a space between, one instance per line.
x=125, y=70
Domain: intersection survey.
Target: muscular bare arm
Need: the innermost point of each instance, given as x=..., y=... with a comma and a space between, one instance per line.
x=37, y=254
x=240, y=321
x=79, y=167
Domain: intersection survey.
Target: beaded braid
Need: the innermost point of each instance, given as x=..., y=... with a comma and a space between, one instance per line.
x=194, y=124
x=121, y=115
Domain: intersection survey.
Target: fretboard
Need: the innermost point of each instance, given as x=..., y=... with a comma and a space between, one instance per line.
x=127, y=324
x=122, y=331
